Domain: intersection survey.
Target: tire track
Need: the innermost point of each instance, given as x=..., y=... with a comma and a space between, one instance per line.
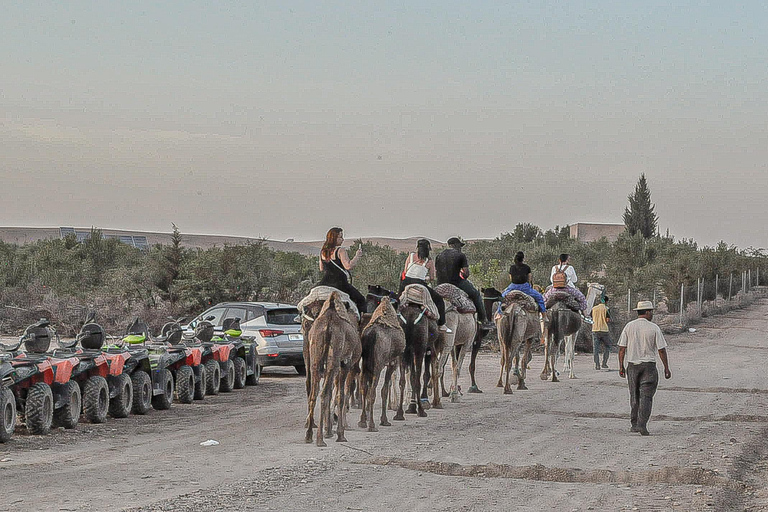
x=539, y=472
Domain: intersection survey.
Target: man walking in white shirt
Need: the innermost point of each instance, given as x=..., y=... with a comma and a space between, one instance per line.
x=640, y=340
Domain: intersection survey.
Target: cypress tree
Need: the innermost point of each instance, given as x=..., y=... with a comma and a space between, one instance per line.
x=639, y=216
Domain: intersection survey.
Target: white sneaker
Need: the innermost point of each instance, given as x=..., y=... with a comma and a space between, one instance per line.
x=445, y=329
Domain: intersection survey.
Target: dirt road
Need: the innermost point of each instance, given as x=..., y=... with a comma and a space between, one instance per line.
x=562, y=446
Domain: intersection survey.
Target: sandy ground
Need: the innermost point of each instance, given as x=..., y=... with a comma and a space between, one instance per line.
x=562, y=446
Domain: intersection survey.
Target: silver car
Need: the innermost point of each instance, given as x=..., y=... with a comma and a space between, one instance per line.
x=272, y=326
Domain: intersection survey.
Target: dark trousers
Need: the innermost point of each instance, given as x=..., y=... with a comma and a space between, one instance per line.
x=437, y=299
x=643, y=380
x=604, y=339
x=346, y=287
x=474, y=295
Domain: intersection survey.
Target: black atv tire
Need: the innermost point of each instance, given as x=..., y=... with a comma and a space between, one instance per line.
x=68, y=415
x=241, y=373
x=253, y=379
x=301, y=369
x=200, y=383
x=96, y=399
x=228, y=380
x=185, y=384
x=120, y=406
x=142, y=392
x=212, y=378
x=163, y=402
x=38, y=410
x=7, y=414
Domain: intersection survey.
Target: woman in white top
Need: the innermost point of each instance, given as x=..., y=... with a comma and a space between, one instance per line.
x=419, y=269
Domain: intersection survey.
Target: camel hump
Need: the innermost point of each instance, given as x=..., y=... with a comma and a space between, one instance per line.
x=456, y=297
x=521, y=299
x=385, y=314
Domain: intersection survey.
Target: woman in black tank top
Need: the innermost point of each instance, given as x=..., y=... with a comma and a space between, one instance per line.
x=335, y=266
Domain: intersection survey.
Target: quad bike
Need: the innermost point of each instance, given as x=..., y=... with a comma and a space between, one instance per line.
x=105, y=388
x=243, y=355
x=219, y=369
x=138, y=367
x=35, y=386
x=187, y=369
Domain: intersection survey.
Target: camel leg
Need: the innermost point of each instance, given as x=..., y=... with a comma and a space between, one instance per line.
x=345, y=384
x=472, y=364
x=364, y=391
x=444, y=355
x=399, y=416
x=436, y=391
x=500, y=384
x=553, y=353
x=416, y=382
x=545, y=369
x=311, y=401
x=325, y=406
x=384, y=422
x=507, y=368
x=570, y=353
x=524, y=366
x=369, y=403
x=427, y=377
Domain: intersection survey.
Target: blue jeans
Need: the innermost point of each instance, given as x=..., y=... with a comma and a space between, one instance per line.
x=601, y=338
x=529, y=290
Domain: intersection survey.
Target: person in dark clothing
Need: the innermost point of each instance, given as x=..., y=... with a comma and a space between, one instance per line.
x=520, y=274
x=335, y=266
x=418, y=269
x=452, y=267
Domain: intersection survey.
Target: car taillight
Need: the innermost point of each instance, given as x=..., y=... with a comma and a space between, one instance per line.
x=270, y=333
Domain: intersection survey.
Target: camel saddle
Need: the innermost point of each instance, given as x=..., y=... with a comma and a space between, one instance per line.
x=385, y=314
x=522, y=299
x=563, y=297
x=455, y=297
x=419, y=295
x=321, y=293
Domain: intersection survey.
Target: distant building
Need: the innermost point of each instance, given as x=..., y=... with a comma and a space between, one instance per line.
x=586, y=232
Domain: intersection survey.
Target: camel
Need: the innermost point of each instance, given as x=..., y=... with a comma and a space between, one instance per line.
x=383, y=343
x=455, y=344
x=560, y=322
x=334, y=349
x=418, y=329
x=517, y=326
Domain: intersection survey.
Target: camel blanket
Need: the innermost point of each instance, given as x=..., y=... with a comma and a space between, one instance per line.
x=566, y=298
x=456, y=297
x=321, y=293
x=524, y=300
x=385, y=314
x=419, y=295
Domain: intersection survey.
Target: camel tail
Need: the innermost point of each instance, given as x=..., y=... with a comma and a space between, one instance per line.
x=369, y=349
x=554, y=328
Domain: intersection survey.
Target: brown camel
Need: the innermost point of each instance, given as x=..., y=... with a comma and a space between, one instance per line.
x=334, y=349
x=383, y=342
x=518, y=326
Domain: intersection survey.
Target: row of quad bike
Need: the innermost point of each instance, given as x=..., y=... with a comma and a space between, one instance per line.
x=89, y=377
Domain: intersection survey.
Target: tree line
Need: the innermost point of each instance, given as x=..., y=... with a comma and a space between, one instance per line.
x=63, y=279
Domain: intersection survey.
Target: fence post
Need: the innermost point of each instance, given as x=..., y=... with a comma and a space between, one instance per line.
x=717, y=282
x=749, y=281
x=699, y=293
x=654, y=297
x=730, y=287
x=682, y=298
x=629, y=300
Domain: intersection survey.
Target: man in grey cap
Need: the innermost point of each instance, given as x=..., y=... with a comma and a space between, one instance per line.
x=638, y=344
x=451, y=266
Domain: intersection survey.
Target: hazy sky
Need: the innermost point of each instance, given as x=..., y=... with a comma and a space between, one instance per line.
x=282, y=119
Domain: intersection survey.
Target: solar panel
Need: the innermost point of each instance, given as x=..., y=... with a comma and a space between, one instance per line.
x=83, y=235
x=63, y=232
x=140, y=242
x=126, y=239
